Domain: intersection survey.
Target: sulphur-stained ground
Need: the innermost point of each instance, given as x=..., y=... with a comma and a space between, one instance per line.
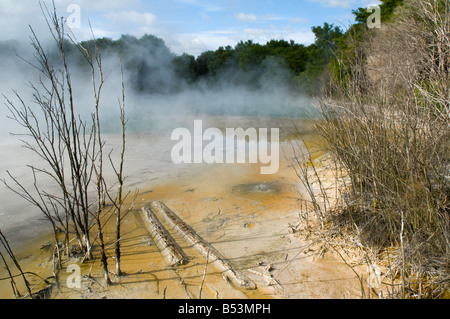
x=250, y=219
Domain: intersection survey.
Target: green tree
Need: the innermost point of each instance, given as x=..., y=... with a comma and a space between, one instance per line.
x=184, y=67
x=320, y=54
x=387, y=11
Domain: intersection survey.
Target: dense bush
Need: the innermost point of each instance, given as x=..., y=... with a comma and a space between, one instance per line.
x=386, y=120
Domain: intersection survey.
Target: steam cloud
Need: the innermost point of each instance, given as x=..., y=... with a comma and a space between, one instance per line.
x=158, y=99
x=154, y=90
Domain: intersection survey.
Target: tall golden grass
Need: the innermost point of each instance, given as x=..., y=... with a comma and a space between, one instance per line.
x=386, y=122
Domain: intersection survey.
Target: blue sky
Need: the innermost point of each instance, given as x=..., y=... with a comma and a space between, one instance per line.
x=191, y=26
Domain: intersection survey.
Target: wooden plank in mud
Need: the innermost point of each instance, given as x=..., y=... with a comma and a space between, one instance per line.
x=172, y=253
x=206, y=250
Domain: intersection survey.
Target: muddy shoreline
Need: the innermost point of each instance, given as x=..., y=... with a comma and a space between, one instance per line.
x=147, y=163
x=244, y=215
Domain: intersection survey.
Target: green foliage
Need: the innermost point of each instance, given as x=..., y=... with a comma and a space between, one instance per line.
x=387, y=11
x=151, y=67
x=184, y=67
x=327, y=37
x=149, y=62
x=349, y=47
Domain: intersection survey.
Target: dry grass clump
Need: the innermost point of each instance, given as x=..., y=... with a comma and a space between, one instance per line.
x=387, y=125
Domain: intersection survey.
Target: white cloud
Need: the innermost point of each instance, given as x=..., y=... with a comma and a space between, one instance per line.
x=132, y=22
x=267, y=34
x=11, y=7
x=345, y=3
x=197, y=43
x=268, y=17
x=202, y=4
x=245, y=17
x=97, y=5
x=145, y=19
x=205, y=16
x=16, y=16
x=298, y=20
x=336, y=3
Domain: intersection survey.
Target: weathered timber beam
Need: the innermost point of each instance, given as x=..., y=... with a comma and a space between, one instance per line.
x=205, y=249
x=172, y=253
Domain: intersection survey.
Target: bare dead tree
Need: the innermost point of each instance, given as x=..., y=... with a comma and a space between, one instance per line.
x=58, y=135
x=9, y=251
x=11, y=277
x=120, y=178
x=70, y=147
x=94, y=61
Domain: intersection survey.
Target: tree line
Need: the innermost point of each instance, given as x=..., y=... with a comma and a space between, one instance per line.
x=152, y=67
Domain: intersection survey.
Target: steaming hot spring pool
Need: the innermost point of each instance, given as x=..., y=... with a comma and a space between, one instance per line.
x=244, y=214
